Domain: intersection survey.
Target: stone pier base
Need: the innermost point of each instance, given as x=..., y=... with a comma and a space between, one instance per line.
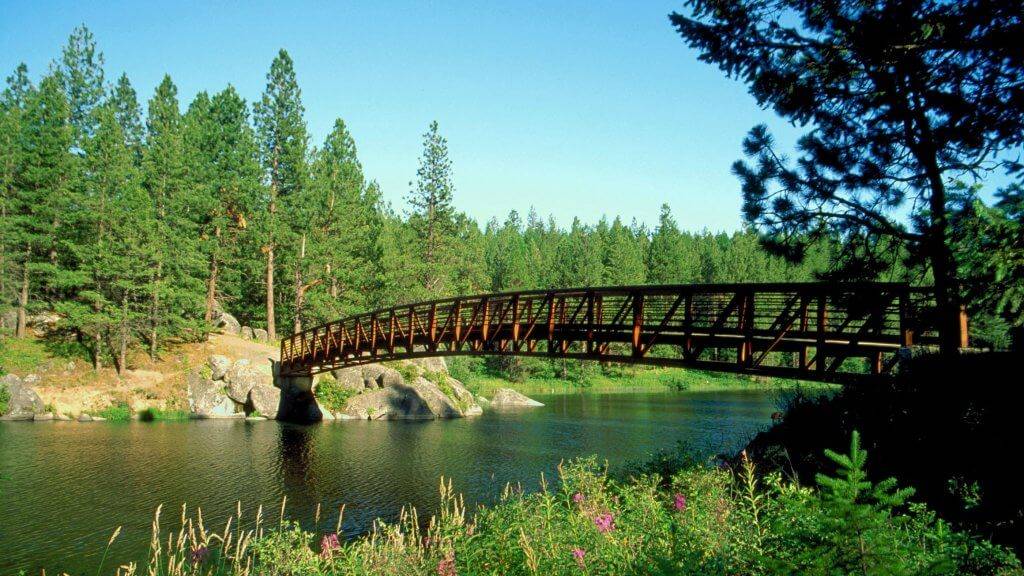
x=298, y=404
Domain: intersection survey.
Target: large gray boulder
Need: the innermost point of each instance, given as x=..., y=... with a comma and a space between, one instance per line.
x=207, y=400
x=247, y=333
x=219, y=366
x=243, y=377
x=265, y=400
x=350, y=378
x=509, y=398
x=260, y=334
x=226, y=323
x=23, y=403
x=380, y=376
x=397, y=402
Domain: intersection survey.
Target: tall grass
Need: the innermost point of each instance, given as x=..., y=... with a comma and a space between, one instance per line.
x=701, y=521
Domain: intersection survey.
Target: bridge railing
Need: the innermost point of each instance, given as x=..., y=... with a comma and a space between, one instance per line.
x=809, y=330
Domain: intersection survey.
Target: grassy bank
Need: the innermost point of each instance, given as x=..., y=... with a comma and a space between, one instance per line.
x=633, y=379
x=696, y=520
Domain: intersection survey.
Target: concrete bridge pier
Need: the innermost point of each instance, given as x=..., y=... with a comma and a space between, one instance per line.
x=298, y=403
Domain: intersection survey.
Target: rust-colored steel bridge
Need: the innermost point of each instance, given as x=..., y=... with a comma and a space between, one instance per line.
x=812, y=331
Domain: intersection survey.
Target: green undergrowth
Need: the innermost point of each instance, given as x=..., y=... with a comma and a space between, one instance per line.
x=640, y=379
x=694, y=520
x=332, y=395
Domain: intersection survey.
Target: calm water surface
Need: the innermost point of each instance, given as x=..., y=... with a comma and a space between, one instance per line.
x=67, y=486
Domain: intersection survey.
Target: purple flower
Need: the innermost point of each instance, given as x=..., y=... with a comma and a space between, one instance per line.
x=578, y=554
x=680, y=502
x=446, y=567
x=604, y=522
x=199, y=554
x=578, y=498
x=328, y=544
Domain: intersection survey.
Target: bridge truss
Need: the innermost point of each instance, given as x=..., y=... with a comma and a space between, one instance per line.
x=812, y=331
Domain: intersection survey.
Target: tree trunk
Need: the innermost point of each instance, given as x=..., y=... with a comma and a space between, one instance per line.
x=947, y=290
x=22, y=300
x=96, y=345
x=211, y=282
x=300, y=290
x=271, y=326
x=154, y=319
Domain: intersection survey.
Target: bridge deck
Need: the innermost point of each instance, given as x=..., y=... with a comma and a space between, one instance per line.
x=814, y=331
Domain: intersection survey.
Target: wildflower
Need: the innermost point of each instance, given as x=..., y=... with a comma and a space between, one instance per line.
x=604, y=522
x=446, y=567
x=328, y=544
x=578, y=498
x=680, y=502
x=199, y=554
x=578, y=554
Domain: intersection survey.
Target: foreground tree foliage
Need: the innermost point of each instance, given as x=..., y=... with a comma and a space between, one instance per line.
x=693, y=520
x=898, y=97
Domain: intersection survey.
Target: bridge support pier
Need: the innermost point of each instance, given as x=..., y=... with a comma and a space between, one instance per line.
x=298, y=403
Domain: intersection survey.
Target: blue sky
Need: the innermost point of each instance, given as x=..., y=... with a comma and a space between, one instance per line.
x=576, y=108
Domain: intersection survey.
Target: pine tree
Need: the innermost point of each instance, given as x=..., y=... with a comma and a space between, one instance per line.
x=344, y=233
x=669, y=260
x=624, y=256
x=433, y=216
x=12, y=108
x=80, y=73
x=176, y=287
x=42, y=189
x=110, y=256
x=129, y=115
x=224, y=173
x=283, y=144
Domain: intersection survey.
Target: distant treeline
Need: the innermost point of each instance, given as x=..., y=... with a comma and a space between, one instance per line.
x=134, y=227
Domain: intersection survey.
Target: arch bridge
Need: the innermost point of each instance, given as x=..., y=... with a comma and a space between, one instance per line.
x=814, y=331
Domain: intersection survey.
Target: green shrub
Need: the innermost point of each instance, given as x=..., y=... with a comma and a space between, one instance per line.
x=157, y=415
x=332, y=394
x=5, y=397
x=120, y=412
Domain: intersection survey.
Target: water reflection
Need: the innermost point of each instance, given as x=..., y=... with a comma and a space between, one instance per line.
x=70, y=485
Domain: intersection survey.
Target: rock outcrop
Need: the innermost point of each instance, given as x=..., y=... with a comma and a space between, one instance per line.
x=383, y=393
x=265, y=400
x=219, y=366
x=509, y=398
x=23, y=402
x=208, y=399
x=226, y=323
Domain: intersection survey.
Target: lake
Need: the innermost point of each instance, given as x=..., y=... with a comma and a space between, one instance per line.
x=66, y=486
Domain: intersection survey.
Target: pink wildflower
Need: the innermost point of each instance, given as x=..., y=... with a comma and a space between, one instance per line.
x=446, y=567
x=680, y=502
x=578, y=498
x=328, y=544
x=604, y=522
x=578, y=554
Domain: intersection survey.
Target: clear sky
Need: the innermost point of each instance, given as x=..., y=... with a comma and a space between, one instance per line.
x=576, y=108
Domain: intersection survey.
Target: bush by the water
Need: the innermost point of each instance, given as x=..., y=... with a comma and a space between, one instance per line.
x=700, y=521
x=948, y=427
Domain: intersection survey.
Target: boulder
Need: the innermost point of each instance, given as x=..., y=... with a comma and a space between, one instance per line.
x=30, y=379
x=23, y=402
x=45, y=417
x=227, y=323
x=509, y=398
x=260, y=334
x=435, y=364
x=219, y=366
x=9, y=318
x=380, y=376
x=265, y=400
x=247, y=333
x=83, y=417
x=207, y=400
x=44, y=323
x=397, y=402
x=243, y=377
x=350, y=378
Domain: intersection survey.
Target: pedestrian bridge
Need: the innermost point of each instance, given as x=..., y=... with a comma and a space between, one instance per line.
x=814, y=331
